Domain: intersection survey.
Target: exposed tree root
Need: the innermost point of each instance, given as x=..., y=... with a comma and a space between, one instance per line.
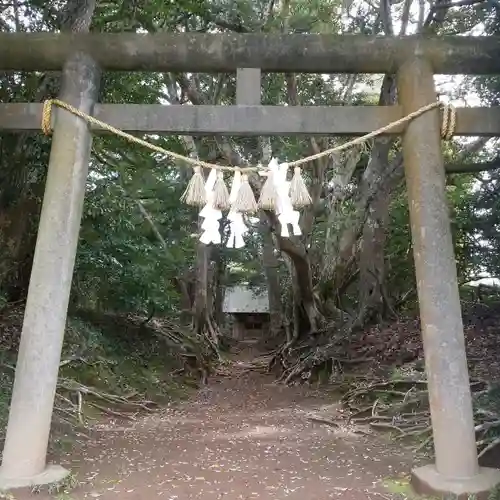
x=91, y=380
x=381, y=374
x=305, y=359
x=193, y=351
x=401, y=406
x=73, y=397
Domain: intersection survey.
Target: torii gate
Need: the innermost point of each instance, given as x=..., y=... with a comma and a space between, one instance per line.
x=413, y=59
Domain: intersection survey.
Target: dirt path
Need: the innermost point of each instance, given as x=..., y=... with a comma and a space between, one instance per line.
x=241, y=438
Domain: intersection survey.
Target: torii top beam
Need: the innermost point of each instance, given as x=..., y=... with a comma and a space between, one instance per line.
x=211, y=53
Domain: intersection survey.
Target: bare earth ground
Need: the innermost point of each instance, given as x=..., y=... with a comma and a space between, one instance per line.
x=243, y=437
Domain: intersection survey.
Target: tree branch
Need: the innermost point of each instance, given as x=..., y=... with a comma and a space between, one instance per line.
x=405, y=17
x=385, y=12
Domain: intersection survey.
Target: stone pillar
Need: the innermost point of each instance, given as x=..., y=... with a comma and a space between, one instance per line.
x=25, y=449
x=456, y=469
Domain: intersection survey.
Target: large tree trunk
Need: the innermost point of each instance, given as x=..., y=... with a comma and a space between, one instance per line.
x=342, y=244
x=372, y=271
x=201, y=304
x=270, y=264
x=217, y=284
x=304, y=296
x=373, y=300
x=185, y=287
x=203, y=319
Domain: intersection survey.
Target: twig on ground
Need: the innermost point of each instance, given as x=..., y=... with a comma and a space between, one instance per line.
x=112, y=412
x=323, y=420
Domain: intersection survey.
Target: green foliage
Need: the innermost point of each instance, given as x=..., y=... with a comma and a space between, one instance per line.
x=108, y=353
x=120, y=358
x=399, y=252
x=121, y=264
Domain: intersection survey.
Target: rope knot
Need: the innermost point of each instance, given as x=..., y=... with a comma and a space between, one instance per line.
x=449, y=121
x=47, y=117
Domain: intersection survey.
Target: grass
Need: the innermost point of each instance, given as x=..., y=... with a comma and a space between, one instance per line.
x=61, y=489
x=400, y=488
x=495, y=493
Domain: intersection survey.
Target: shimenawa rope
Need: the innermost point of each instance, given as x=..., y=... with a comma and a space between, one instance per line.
x=447, y=129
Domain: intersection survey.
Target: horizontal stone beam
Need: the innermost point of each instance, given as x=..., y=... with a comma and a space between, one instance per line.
x=250, y=120
x=225, y=52
x=470, y=168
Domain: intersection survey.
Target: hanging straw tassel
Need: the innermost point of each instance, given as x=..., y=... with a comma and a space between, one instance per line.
x=195, y=192
x=245, y=200
x=235, y=187
x=268, y=195
x=221, y=194
x=299, y=195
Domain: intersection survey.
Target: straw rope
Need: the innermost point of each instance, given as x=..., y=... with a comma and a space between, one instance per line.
x=447, y=130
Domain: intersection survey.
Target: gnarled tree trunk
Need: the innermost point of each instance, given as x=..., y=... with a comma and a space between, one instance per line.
x=304, y=296
x=372, y=270
x=271, y=264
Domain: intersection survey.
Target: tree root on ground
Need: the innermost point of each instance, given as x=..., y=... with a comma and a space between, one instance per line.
x=194, y=350
x=330, y=350
x=305, y=360
x=72, y=397
x=310, y=366
x=401, y=406
x=191, y=351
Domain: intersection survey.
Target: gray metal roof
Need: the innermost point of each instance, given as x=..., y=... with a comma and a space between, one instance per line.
x=242, y=299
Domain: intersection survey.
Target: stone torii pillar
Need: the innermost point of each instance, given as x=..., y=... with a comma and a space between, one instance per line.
x=28, y=429
x=456, y=470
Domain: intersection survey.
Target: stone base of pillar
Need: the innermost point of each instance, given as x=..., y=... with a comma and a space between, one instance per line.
x=52, y=474
x=427, y=481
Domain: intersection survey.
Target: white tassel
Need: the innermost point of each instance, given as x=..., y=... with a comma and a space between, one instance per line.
x=299, y=195
x=269, y=196
x=221, y=194
x=245, y=200
x=195, y=191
